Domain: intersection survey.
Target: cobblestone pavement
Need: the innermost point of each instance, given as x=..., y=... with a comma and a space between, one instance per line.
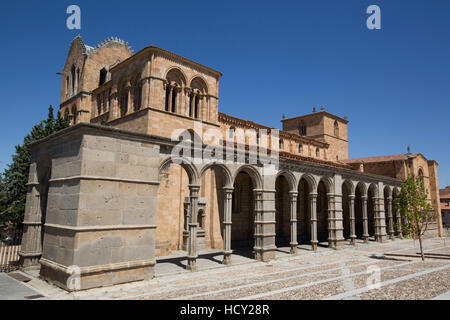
x=352, y=273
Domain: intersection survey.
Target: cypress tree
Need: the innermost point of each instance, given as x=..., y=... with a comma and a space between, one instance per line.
x=13, y=180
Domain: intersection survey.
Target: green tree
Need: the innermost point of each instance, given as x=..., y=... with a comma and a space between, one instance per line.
x=13, y=180
x=416, y=211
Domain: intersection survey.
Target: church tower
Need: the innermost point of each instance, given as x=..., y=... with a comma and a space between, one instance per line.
x=324, y=127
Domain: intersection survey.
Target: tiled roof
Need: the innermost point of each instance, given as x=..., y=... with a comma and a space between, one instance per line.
x=381, y=158
x=444, y=193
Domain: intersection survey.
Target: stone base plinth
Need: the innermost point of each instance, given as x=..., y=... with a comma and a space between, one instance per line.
x=74, y=279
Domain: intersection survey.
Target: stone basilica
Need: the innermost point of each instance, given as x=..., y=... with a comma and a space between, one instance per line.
x=108, y=195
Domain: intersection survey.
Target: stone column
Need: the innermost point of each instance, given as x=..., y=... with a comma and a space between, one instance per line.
x=31, y=249
x=257, y=228
x=130, y=100
x=145, y=97
x=333, y=226
x=313, y=219
x=390, y=218
x=228, y=196
x=379, y=217
x=351, y=209
x=293, y=202
x=192, y=244
x=365, y=219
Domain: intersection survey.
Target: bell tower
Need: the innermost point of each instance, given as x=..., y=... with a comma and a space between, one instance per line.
x=324, y=127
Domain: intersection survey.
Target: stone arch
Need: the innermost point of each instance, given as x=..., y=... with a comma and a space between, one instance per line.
x=177, y=75
x=244, y=203
x=283, y=187
x=387, y=191
x=306, y=185
x=350, y=185
x=328, y=182
x=185, y=164
x=123, y=88
x=199, y=83
x=215, y=179
x=253, y=173
x=175, y=83
x=363, y=188
x=136, y=87
x=322, y=214
x=292, y=181
x=228, y=181
x=311, y=181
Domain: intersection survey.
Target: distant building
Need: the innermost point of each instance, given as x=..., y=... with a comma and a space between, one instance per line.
x=445, y=205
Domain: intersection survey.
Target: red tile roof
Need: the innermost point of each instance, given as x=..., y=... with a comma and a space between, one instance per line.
x=378, y=158
x=444, y=193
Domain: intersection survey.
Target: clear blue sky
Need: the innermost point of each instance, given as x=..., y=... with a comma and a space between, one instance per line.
x=276, y=57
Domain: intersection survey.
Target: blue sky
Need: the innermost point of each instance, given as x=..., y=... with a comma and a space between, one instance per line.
x=276, y=57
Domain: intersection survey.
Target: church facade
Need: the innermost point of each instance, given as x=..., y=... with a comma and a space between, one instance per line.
x=150, y=166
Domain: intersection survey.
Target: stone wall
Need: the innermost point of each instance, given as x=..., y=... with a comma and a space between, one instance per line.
x=101, y=213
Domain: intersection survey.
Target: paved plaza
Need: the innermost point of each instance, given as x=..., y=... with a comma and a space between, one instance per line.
x=370, y=271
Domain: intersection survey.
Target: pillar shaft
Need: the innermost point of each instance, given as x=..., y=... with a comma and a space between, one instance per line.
x=192, y=244
x=365, y=219
x=258, y=227
x=293, y=207
x=313, y=219
x=390, y=218
x=351, y=209
x=31, y=249
x=228, y=195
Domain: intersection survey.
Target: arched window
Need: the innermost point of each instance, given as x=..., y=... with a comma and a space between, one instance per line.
x=199, y=95
x=231, y=133
x=200, y=219
x=175, y=82
x=280, y=144
x=257, y=138
x=300, y=148
x=74, y=115
x=421, y=175
x=317, y=152
x=174, y=98
x=73, y=78
x=336, y=129
x=123, y=93
x=302, y=129
x=68, y=92
x=167, y=98
x=77, y=79
x=137, y=93
x=103, y=74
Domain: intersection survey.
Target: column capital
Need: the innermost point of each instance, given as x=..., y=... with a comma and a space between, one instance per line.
x=351, y=197
x=312, y=195
x=228, y=189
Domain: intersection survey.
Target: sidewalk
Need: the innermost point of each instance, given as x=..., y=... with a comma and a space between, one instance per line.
x=11, y=289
